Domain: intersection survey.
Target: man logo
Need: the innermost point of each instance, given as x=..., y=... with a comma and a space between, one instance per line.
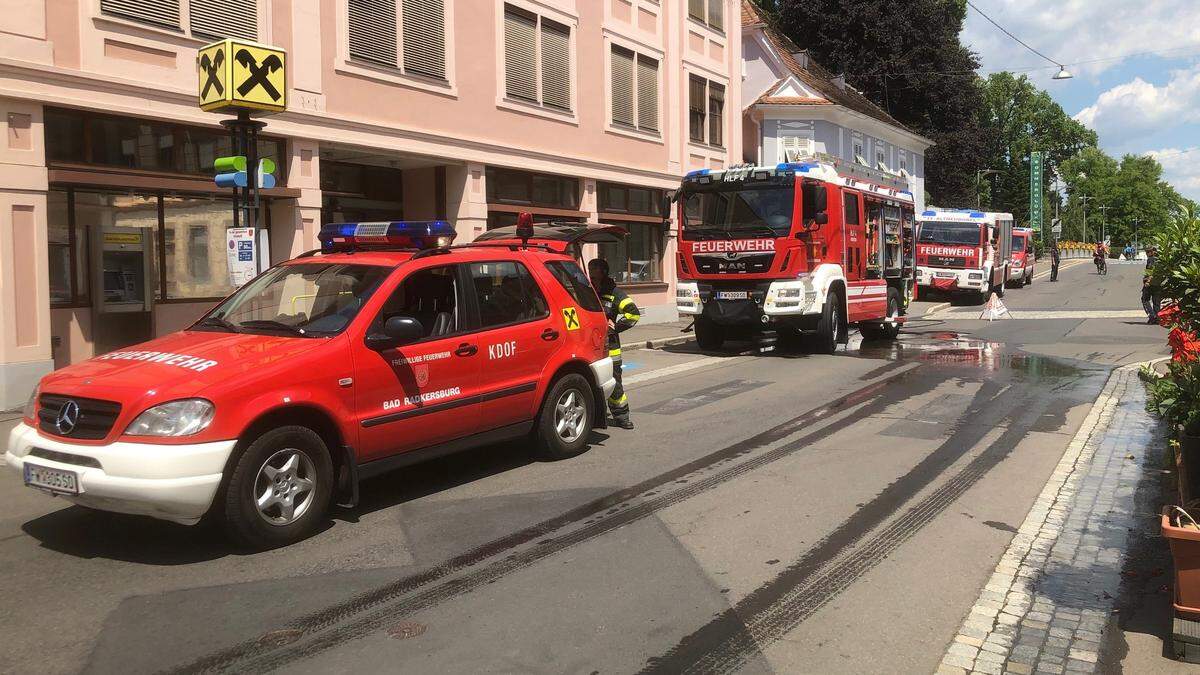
x=68, y=417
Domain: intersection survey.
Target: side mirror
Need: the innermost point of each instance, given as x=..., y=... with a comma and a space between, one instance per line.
x=397, y=331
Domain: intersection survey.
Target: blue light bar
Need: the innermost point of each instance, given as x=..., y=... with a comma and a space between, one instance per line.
x=977, y=214
x=695, y=175
x=929, y=213
x=800, y=167
x=395, y=235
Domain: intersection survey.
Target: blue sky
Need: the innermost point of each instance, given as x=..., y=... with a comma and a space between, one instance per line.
x=1136, y=67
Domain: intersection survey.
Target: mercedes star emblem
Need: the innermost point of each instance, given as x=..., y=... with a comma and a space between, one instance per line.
x=68, y=417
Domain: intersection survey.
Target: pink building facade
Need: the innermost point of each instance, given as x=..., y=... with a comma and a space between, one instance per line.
x=111, y=231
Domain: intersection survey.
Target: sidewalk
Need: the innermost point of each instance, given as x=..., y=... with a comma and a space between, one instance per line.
x=1051, y=605
x=655, y=335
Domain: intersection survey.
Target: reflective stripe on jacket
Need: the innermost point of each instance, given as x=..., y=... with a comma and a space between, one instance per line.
x=621, y=310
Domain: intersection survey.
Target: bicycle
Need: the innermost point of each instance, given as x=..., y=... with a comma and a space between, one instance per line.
x=1101, y=264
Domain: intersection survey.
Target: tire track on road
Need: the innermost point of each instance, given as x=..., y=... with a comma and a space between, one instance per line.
x=596, y=518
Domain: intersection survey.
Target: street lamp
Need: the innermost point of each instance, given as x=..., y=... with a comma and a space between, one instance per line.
x=1063, y=73
x=979, y=174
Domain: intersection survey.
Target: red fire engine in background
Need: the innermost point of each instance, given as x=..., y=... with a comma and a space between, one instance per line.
x=964, y=251
x=808, y=248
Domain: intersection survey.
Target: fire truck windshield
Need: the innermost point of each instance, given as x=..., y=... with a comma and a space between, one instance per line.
x=730, y=210
x=937, y=232
x=305, y=300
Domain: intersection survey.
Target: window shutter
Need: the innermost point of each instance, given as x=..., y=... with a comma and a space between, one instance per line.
x=647, y=93
x=793, y=148
x=556, y=65
x=622, y=86
x=158, y=12
x=424, y=28
x=520, y=68
x=372, y=26
x=696, y=87
x=716, y=113
x=716, y=14
x=224, y=18
x=696, y=9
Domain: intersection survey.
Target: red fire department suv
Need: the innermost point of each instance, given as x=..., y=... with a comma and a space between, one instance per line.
x=386, y=347
x=1020, y=269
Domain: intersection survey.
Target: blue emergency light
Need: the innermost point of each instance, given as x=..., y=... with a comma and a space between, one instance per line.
x=396, y=234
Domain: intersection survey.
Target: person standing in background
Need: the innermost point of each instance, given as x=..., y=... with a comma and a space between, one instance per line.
x=1054, y=259
x=1151, y=303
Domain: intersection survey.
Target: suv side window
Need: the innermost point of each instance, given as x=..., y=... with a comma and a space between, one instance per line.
x=575, y=282
x=431, y=296
x=506, y=293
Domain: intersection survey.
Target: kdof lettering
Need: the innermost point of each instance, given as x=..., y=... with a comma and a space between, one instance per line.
x=503, y=350
x=181, y=360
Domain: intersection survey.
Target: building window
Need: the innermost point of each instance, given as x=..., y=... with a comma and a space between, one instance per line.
x=711, y=12
x=68, y=251
x=522, y=188
x=73, y=137
x=793, y=147
x=634, y=90
x=706, y=97
x=205, y=18
x=858, y=153
x=637, y=259
x=409, y=35
x=880, y=159
x=537, y=59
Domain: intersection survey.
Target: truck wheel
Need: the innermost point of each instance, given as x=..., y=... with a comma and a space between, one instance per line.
x=1029, y=279
x=829, y=326
x=565, y=420
x=279, y=489
x=886, y=331
x=709, y=335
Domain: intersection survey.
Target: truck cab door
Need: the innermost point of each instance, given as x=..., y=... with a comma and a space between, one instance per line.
x=855, y=237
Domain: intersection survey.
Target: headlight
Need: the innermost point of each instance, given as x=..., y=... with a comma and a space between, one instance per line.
x=685, y=292
x=975, y=275
x=177, y=418
x=31, y=405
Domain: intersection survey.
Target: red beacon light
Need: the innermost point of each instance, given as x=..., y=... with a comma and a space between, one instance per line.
x=384, y=235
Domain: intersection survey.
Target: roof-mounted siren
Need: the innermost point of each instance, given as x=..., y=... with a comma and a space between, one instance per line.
x=386, y=235
x=525, y=228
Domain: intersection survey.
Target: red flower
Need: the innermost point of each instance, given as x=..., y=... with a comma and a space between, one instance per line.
x=1169, y=315
x=1184, y=345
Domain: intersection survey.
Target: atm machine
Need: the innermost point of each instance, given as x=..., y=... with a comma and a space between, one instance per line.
x=123, y=271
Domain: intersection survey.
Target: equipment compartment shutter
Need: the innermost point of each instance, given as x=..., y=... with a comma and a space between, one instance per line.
x=622, y=86
x=520, y=66
x=556, y=65
x=224, y=18
x=158, y=12
x=372, y=32
x=424, y=24
x=647, y=93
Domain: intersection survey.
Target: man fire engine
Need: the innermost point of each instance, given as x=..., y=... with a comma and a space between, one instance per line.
x=964, y=252
x=806, y=248
x=1020, y=270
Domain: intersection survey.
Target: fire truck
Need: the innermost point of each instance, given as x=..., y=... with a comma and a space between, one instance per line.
x=1020, y=272
x=800, y=250
x=963, y=251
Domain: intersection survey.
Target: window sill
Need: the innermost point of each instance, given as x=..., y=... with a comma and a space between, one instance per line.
x=706, y=26
x=633, y=132
x=550, y=113
x=699, y=145
x=396, y=76
x=114, y=24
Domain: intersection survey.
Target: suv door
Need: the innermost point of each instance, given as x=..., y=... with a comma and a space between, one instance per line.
x=517, y=339
x=425, y=392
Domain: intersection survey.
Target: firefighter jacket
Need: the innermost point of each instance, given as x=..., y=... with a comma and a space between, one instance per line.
x=621, y=310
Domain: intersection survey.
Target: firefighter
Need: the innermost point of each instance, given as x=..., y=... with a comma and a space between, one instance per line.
x=1055, y=258
x=1151, y=302
x=622, y=315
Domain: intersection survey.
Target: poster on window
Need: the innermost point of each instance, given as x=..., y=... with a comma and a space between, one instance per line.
x=243, y=263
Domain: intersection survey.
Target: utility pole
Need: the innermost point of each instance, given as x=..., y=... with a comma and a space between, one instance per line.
x=1104, y=222
x=1136, y=246
x=1083, y=200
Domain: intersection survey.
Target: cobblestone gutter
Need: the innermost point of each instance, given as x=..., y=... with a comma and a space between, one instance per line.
x=1047, y=602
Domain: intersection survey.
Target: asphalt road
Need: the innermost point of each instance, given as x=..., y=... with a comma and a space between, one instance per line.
x=786, y=513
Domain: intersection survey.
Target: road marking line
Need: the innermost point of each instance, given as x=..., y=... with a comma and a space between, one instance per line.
x=680, y=368
x=1031, y=315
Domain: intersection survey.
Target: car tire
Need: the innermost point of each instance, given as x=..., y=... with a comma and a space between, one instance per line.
x=886, y=331
x=829, y=326
x=297, y=457
x=709, y=336
x=565, y=420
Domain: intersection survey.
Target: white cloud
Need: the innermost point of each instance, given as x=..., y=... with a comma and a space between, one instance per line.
x=1075, y=31
x=1138, y=108
x=1181, y=168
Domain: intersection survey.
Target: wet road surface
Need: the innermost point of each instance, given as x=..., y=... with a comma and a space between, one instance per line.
x=788, y=513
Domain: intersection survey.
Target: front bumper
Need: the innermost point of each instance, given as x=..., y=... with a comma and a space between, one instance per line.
x=171, y=482
x=602, y=371
x=962, y=278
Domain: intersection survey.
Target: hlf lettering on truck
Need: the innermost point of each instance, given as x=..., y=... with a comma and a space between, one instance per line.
x=799, y=250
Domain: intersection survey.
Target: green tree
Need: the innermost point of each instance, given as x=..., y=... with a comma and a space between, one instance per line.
x=1020, y=118
x=905, y=57
x=1131, y=189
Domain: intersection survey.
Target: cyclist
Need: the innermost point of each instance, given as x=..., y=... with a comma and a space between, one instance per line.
x=1100, y=257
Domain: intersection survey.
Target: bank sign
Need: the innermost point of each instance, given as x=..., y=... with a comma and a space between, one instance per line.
x=238, y=74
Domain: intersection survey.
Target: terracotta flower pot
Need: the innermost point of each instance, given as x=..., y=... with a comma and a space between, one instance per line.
x=1185, y=550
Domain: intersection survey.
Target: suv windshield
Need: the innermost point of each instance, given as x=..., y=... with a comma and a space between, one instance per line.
x=1018, y=244
x=307, y=300
x=734, y=210
x=950, y=233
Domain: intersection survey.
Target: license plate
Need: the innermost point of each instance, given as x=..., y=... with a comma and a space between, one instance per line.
x=53, y=480
x=944, y=275
x=733, y=295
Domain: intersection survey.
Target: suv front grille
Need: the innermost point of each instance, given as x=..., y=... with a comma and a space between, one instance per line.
x=742, y=264
x=96, y=418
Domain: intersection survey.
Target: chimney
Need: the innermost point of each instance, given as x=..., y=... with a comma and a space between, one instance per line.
x=840, y=82
x=801, y=57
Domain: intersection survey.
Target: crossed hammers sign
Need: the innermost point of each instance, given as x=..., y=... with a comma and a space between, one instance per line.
x=258, y=73
x=211, y=67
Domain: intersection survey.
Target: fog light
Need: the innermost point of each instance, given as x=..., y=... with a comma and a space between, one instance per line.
x=975, y=275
